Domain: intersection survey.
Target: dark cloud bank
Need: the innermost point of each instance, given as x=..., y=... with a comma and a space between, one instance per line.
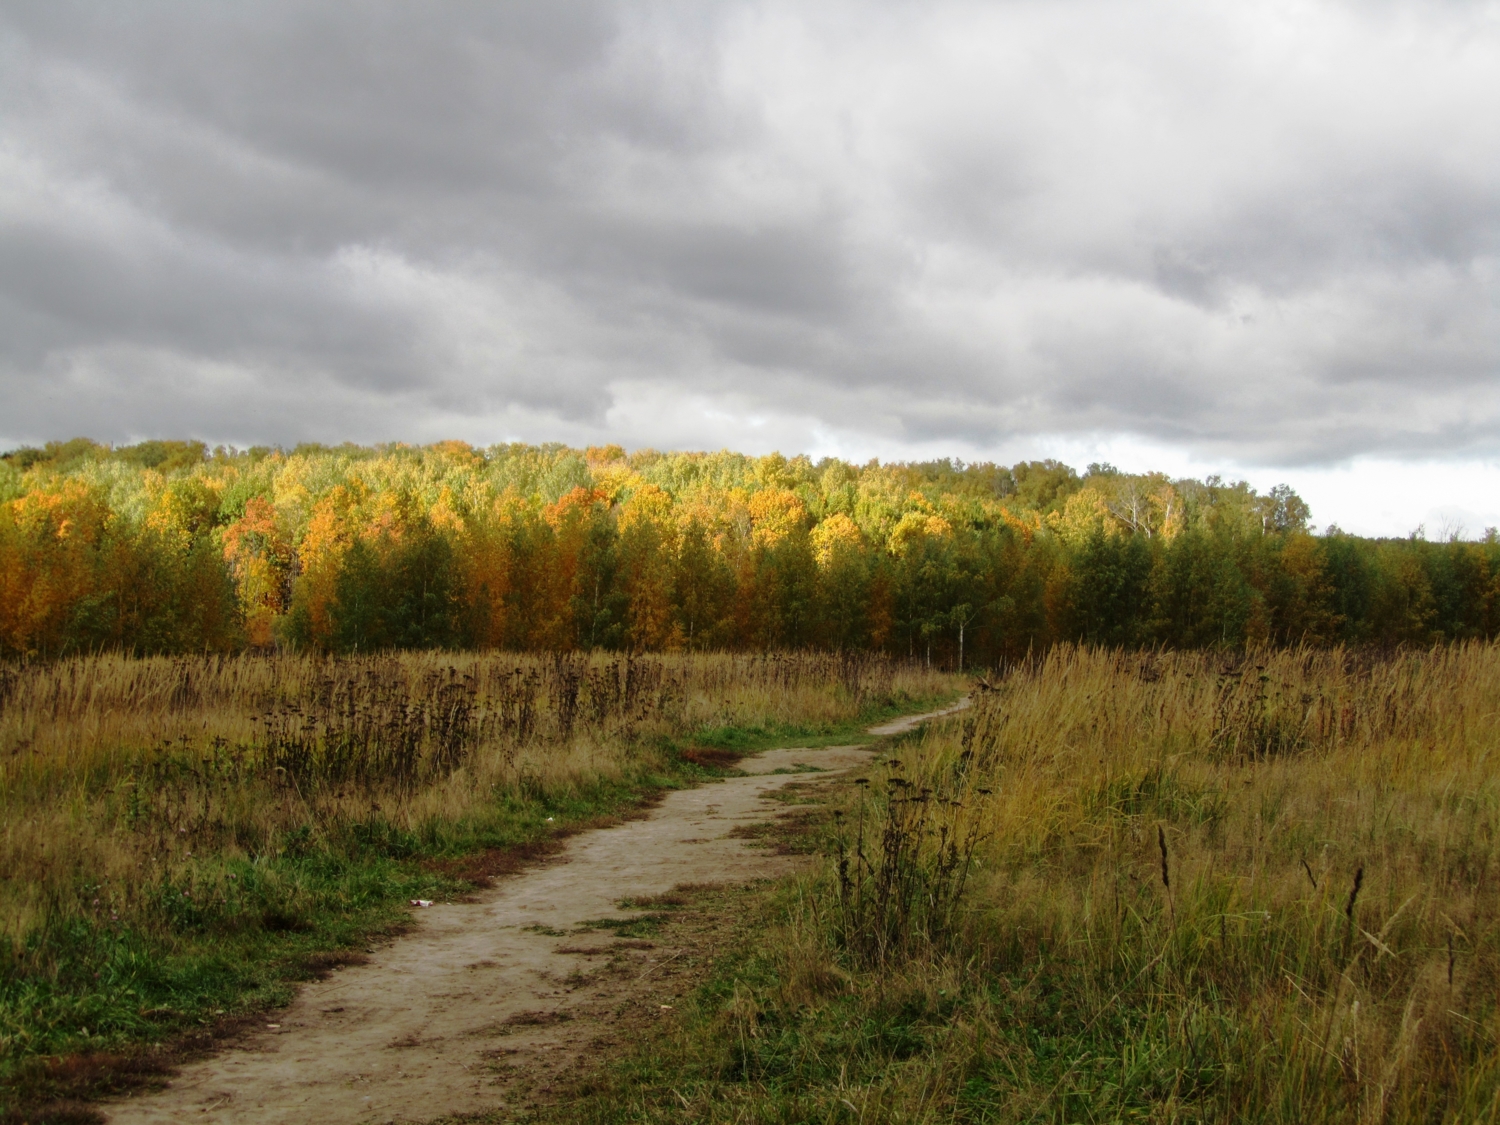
x=1261, y=232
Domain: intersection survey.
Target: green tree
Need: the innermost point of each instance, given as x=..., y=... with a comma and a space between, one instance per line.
x=1111, y=577
x=702, y=589
x=359, y=608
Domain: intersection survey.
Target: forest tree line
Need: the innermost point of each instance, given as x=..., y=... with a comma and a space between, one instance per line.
x=167, y=547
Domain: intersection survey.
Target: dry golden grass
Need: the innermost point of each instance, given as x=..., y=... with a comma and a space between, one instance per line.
x=1303, y=843
x=118, y=772
x=1209, y=887
x=1278, y=869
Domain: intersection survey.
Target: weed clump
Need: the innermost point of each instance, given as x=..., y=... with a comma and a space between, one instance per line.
x=901, y=870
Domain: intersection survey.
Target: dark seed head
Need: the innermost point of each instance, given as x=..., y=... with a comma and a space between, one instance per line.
x=1359, y=879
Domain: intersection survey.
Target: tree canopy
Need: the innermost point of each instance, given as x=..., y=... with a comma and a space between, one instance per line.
x=167, y=546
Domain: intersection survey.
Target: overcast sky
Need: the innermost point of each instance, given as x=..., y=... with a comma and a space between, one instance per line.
x=1255, y=238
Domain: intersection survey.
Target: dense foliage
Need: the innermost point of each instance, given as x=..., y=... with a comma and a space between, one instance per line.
x=168, y=547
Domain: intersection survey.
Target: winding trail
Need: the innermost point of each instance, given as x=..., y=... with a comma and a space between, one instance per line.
x=446, y=1019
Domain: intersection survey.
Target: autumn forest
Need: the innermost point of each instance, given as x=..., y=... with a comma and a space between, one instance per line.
x=169, y=547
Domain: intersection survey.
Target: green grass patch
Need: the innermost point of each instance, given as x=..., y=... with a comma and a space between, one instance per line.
x=773, y=1035
x=641, y=926
x=750, y=739
x=671, y=900
x=224, y=938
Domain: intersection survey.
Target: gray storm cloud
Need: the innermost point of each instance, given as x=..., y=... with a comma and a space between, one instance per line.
x=1265, y=232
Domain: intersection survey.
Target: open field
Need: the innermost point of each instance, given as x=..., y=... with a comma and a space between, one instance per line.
x=1155, y=887
x=183, y=837
x=1123, y=886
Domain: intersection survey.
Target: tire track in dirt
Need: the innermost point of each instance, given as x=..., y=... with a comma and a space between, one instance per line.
x=511, y=985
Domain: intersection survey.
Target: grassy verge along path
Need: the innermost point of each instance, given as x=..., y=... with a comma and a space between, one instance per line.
x=1208, y=887
x=157, y=898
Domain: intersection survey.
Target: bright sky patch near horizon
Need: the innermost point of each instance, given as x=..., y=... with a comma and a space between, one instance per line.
x=1261, y=240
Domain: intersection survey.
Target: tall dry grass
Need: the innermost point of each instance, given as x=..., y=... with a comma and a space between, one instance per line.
x=1276, y=871
x=1205, y=887
x=119, y=773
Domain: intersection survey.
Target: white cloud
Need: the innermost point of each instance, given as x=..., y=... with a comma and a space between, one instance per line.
x=1232, y=235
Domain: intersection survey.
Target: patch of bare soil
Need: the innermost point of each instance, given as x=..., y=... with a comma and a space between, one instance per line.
x=485, y=1003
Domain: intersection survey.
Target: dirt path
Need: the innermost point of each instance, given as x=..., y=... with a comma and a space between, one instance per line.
x=443, y=1020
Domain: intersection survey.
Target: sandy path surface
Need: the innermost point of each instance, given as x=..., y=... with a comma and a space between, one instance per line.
x=443, y=1020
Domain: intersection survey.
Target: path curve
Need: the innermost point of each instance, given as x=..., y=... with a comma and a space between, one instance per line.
x=434, y=1022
